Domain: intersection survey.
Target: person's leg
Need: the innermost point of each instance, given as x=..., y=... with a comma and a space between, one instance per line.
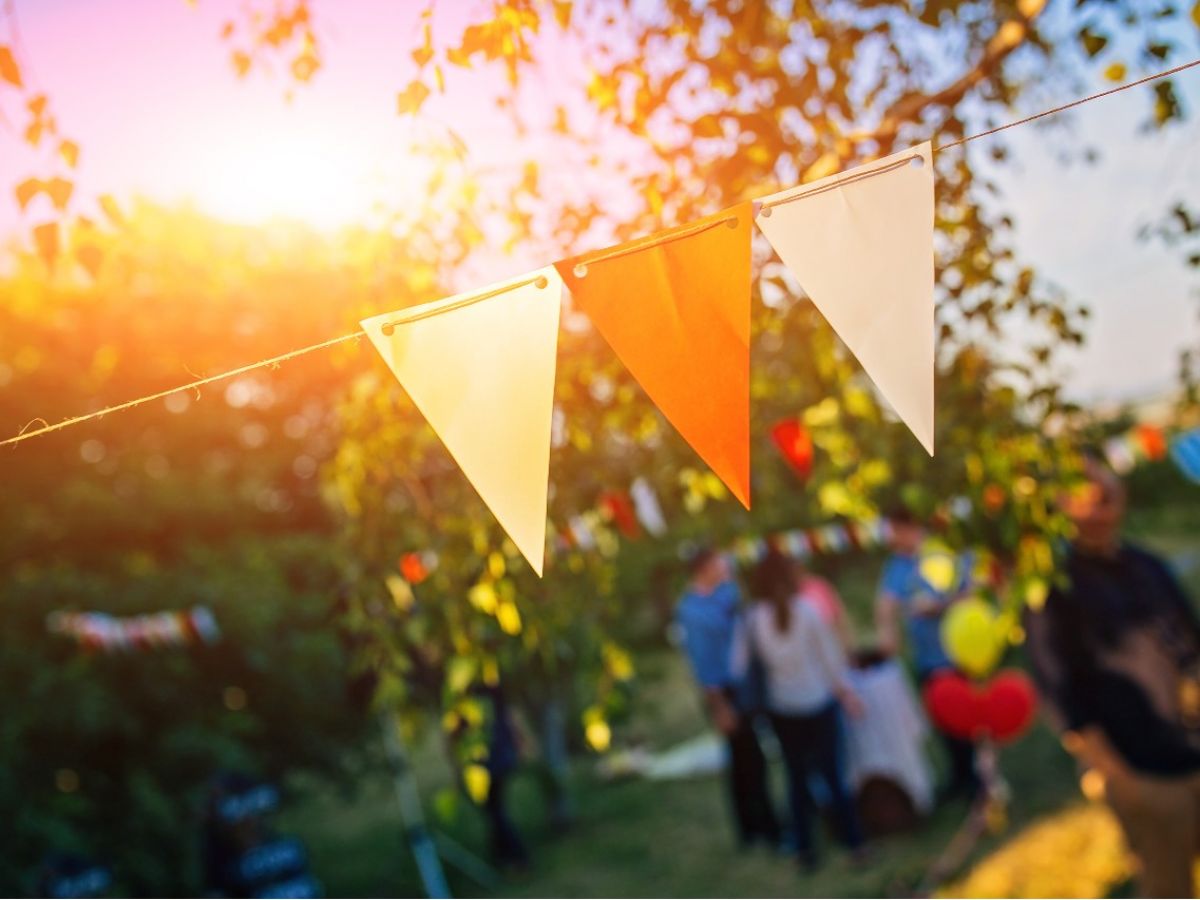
x=747, y=780
x=507, y=847
x=827, y=762
x=960, y=753
x=793, y=744
x=964, y=779
x=1158, y=818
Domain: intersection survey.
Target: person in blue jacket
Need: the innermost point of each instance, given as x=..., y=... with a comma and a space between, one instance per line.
x=709, y=614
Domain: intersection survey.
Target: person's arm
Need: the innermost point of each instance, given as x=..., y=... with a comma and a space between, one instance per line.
x=832, y=660
x=1049, y=663
x=841, y=621
x=704, y=650
x=1177, y=595
x=887, y=623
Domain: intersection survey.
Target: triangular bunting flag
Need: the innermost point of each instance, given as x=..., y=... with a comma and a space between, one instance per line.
x=480, y=368
x=675, y=307
x=861, y=245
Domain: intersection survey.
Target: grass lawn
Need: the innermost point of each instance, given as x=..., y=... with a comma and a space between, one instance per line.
x=642, y=838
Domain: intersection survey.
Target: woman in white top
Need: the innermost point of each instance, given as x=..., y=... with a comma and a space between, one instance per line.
x=804, y=668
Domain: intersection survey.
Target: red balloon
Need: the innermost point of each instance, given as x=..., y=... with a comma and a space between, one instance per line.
x=1009, y=703
x=953, y=704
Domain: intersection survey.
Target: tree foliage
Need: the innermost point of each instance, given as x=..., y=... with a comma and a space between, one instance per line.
x=205, y=498
x=724, y=102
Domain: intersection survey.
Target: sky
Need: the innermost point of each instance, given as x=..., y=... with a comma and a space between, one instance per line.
x=147, y=89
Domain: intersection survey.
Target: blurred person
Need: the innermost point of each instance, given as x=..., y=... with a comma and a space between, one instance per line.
x=708, y=614
x=503, y=759
x=1116, y=653
x=826, y=600
x=906, y=598
x=806, y=676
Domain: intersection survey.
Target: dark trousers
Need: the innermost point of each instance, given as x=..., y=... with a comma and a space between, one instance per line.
x=964, y=779
x=747, y=775
x=810, y=747
x=507, y=847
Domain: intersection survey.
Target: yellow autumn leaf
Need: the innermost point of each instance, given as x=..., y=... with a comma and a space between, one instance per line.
x=598, y=735
x=1036, y=592
x=823, y=413
x=45, y=239
x=495, y=565
x=713, y=486
x=409, y=100
x=401, y=591
x=618, y=663
x=827, y=164
x=27, y=190
x=8, y=67
x=477, y=781
x=460, y=672
x=509, y=617
x=483, y=597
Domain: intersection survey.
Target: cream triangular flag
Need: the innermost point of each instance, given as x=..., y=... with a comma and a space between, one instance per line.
x=480, y=368
x=861, y=245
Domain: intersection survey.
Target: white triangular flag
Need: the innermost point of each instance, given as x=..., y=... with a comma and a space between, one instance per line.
x=861, y=245
x=480, y=368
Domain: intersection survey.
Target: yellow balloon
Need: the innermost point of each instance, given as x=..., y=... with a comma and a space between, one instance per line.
x=972, y=638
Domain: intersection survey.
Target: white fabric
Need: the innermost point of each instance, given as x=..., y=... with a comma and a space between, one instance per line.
x=803, y=665
x=861, y=246
x=889, y=738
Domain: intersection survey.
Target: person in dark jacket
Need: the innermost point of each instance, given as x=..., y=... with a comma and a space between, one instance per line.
x=1116, y=653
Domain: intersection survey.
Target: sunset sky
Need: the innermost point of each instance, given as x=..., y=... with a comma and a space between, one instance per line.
x=147, y=89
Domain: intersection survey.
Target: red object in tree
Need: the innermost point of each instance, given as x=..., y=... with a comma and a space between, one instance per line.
x=413, y=568
x=1002, y=710
x=620, y=508
x=795, y=443
x=1153, y=441
x=1009, y=702
x=953, y=704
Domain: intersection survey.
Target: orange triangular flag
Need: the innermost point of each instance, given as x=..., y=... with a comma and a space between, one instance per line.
x=480, y=368
x=675, y=307
x=861, y=245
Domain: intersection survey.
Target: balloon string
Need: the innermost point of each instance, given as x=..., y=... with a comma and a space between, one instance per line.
x=24, y=435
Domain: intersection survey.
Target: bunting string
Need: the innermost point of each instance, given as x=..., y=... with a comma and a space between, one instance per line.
x=192, y=385
x=26, y=434
x=654, y=240
x=437, y=309
x=1082, y=100
x=857, y=175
